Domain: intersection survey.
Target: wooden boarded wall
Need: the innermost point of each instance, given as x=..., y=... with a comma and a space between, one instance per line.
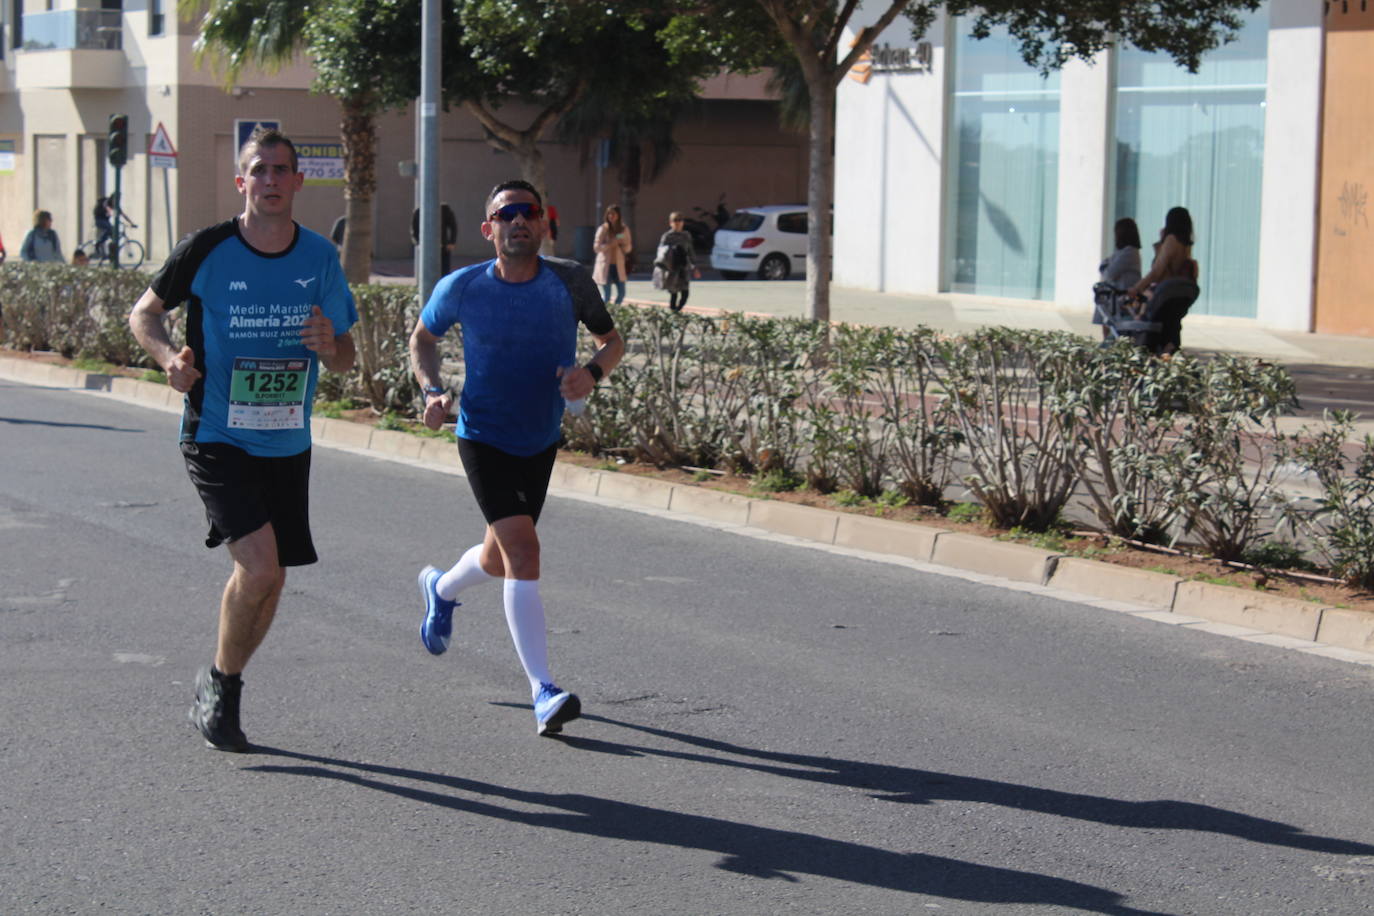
x=1345, y=246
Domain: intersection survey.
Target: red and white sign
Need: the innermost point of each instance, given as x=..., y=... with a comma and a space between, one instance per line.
x=161, y=153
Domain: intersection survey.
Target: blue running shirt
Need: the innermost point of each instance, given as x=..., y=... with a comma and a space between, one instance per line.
x=515, y=337
x=244, y=311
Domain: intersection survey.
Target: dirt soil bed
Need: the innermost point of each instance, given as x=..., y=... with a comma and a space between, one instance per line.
x=1092, y=546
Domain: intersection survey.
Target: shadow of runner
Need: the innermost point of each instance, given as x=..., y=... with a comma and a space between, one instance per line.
x=745, y=849
x=913, y=786
x=114, y=429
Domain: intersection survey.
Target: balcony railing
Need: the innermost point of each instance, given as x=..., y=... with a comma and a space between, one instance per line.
x=73, y=30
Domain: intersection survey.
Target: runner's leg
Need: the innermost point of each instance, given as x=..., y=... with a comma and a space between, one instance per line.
x=518, y=545
x=469, y=570
x=250, y=598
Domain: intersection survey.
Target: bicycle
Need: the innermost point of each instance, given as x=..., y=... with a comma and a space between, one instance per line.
x=131, y=253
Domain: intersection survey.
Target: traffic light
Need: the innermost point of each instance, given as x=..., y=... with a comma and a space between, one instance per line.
x=117, y=144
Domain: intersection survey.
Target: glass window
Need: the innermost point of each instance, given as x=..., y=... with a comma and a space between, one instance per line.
x=156, y=21
x=792, y=222
x=743, y=222
x=1003, y=168
x=1197, y=141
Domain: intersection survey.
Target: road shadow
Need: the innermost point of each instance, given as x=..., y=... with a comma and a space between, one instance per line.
x=17, y=421
x=908, y=785
x=746, y=849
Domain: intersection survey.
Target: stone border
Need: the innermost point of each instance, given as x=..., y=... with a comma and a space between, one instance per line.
x=1239, y=611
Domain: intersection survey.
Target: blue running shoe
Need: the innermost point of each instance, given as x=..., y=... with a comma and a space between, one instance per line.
x=436, y=628
x=553, y=707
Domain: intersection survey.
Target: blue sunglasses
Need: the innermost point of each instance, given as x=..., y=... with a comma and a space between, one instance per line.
x=509, y=212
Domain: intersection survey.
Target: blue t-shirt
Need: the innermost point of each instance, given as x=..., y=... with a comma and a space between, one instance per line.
x=515, y=338
x=244, y=313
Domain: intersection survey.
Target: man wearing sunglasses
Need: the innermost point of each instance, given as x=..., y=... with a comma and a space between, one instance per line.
x=519, y=314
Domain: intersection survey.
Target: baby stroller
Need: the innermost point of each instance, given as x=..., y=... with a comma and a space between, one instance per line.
x=1157, y=328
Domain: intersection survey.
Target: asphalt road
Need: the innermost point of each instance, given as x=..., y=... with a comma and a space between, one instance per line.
x=769, y=728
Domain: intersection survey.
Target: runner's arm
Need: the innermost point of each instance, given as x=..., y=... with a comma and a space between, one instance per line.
x=579, y=382
x=146, y=323
x=336, y=351
x=424, y=363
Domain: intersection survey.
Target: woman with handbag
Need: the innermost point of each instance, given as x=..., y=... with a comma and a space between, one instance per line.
x=673, y=264
x=614, y=249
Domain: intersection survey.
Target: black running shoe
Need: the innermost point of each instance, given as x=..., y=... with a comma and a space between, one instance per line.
x=216, y=711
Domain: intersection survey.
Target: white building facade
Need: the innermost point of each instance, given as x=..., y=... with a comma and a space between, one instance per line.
x=960, y=170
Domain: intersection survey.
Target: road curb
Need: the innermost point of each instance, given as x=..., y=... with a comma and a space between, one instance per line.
x=1270, y=613
x=1318, y=624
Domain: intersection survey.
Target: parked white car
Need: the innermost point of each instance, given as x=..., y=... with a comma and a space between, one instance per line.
x=769, y=242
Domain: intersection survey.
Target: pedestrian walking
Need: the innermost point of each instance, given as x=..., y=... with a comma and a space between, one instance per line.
x=41, y=244
x=266, y=304
x=1173, y=265
x=673, y=262
x=519, y=314
x=448, y=235
x=614, y=248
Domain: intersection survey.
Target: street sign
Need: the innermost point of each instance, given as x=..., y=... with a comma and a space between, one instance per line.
x=244, y=127
x=161, y=153
x=321, y=163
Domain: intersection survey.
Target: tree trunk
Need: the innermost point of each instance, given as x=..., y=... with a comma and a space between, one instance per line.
x=631, y=177
x=820, y=198
x=531, y=160
x=359, y=133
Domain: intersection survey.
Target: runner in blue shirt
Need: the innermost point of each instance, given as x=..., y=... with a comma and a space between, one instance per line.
x=519, y=315
x=266, y=303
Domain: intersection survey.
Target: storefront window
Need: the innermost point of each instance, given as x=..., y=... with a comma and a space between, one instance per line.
x=1197, y=141
x=1003, y=169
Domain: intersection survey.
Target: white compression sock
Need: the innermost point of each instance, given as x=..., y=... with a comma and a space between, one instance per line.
x=525, y=617
x=465, y=573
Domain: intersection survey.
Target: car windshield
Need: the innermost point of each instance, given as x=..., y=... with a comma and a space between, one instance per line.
x=744, y=222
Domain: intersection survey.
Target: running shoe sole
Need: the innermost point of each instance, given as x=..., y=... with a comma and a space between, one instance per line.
x=229, y=739
x=565, y=712
x=441, y=643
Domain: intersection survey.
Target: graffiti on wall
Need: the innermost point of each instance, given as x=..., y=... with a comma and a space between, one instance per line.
x=1352, y=207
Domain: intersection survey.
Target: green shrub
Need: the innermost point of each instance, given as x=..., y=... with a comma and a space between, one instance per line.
x=74, y=311
x=1013, y=395
x=966, y=512
x=775, y=481
x=1342, y=524
x=1225, y=469
x=849, y=499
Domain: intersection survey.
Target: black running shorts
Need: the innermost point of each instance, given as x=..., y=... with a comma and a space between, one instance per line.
x=506, y=484
x=243, y=492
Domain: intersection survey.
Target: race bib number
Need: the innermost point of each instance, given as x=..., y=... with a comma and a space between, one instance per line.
x=268, y=393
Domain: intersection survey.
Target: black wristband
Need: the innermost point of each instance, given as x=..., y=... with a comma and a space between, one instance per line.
x=597, y=372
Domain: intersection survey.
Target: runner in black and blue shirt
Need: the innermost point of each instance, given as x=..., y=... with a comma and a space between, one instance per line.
x=266, y=303
x=519, y=315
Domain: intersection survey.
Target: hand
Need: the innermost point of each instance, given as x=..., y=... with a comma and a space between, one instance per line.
x=696, y=273
x=182, y=373
x=576, y=382
x=437, y=408
x=317, y=332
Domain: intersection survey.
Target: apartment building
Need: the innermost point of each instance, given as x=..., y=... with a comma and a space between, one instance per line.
x=70, y=64
x=961, y=170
